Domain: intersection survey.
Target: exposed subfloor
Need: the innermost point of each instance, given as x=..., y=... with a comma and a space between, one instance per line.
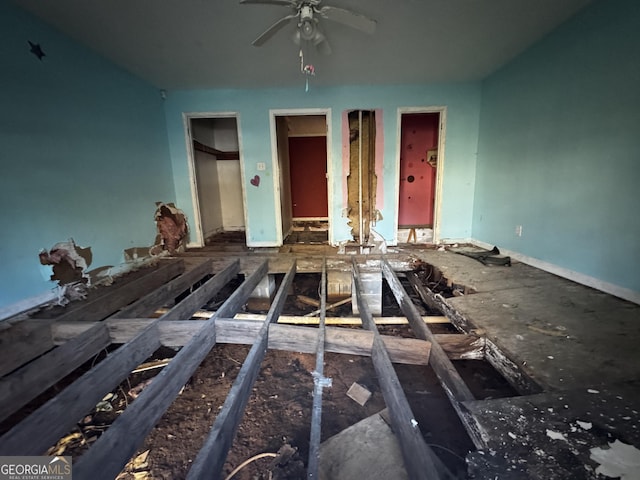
x=578, y=344
x=559, y=340
x=571, y=351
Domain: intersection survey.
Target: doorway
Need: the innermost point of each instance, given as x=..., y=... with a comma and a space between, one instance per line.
x=420, y=166
x=303, y=165
x=214, y=151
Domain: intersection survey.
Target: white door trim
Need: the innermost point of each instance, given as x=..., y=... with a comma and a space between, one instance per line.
x=437, y=203
x=197, y=221
x=276, y=169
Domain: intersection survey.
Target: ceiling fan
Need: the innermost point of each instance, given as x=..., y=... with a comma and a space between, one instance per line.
x=307, y=13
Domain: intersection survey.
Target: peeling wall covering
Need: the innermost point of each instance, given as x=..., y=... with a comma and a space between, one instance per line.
x=84, y=154
x=69, y=261
x=172, y=227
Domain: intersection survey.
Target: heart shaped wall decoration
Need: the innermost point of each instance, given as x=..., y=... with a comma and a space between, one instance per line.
x=255, y=181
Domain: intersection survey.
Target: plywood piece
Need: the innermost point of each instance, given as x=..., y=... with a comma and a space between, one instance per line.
x=358, y=394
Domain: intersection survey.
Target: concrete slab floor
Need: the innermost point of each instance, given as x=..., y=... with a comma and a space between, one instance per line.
x=580, y=345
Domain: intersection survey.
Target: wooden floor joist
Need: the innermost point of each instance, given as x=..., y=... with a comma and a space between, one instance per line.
x=456, y=389
x=139, y=337
x=26, y=340
x=319, y=382
x=307, y=320
x=106, y=458
x=21, y=386
x=212, y=455
x=56, y=417
x=292, y=338
x=419, y=459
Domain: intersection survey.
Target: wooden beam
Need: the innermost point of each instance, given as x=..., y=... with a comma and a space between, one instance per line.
x=319, y=382
x=117, y=297
x=419, y=459
x=446, y=372
x=292, y=338
x=212, y=455
x=48, y=423
x=457, y=391
x=145, y=306
x=109, y=454
x=23, y=385
x=305, y=320
x=23, y=341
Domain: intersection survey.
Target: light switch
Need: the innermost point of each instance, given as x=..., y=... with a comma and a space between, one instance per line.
x=261, y=166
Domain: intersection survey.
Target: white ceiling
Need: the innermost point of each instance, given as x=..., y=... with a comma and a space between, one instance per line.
x=207, y=43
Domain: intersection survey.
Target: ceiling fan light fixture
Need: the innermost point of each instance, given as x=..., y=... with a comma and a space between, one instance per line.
x=307, y=29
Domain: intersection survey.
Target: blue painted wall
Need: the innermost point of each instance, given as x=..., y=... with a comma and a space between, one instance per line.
x=559, y=148
x=252, y=106
x=83, y=151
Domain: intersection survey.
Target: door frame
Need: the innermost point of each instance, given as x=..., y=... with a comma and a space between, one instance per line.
x=197, y=221
x=299, y=112
x=437, y=202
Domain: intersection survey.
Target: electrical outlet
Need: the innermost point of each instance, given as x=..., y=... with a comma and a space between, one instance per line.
x=261, y=166
x=519, y=230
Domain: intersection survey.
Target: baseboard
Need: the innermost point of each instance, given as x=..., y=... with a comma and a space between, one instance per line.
x=263, y=244
x=610, y=288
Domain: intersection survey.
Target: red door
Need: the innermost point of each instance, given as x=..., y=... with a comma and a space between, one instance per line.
x=308, y=167
x=418, y=135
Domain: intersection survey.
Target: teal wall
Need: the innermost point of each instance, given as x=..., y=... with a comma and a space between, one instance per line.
x=253, y=106
x=83, y=150
x=559, y=148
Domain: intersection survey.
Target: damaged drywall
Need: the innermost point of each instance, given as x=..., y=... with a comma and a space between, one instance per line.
x=69, y=261
x=172, y=228
x=361, y=180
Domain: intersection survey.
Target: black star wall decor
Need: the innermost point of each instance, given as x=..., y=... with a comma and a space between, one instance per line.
x=36, y=49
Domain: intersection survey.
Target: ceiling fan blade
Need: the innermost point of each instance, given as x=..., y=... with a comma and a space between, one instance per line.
x=284, y=3
x=349, y=18
x=273, y=29
x=321, y=43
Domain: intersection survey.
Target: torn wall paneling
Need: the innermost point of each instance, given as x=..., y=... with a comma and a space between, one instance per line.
x=362, y=180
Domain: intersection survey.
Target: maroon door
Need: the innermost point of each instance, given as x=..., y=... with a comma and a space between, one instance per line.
x=308, y=167
x=418, y=135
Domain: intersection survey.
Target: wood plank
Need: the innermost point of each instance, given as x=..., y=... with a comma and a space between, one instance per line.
x=305, y=320
x=437, y=302
x=212, y=455
x=319, y=382
x=106, y=458
x=52, y=420
x=292, y=338
x=419, y=459
x=116, y=297
x=457, y=391
x=23, y=385
x=34, y=378
x=23, y=341
x=444, y=369
x=145, y=306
